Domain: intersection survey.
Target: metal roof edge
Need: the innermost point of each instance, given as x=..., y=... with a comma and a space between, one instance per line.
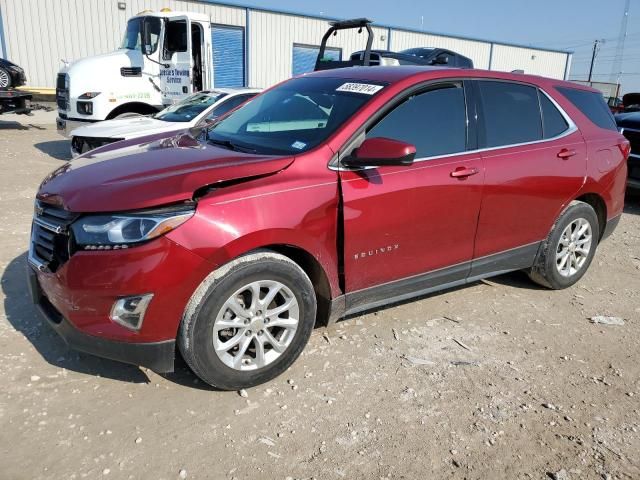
x=253, y=7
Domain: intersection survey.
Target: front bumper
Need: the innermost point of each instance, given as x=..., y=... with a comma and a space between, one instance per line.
x=65, y=126
x=158, y=356
x=78, y=296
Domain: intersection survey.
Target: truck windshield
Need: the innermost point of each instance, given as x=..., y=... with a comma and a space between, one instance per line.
x=133, y=35
x=189, y=108
x=295, y=116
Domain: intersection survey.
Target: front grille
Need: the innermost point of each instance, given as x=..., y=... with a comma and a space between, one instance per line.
x=50, y=240
x=86, y=144
x=634, y=138
x=62, y=92
x=131, y=71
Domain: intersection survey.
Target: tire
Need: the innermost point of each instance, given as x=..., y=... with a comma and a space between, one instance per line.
x=565, y=255
x=209, y=323
x=5, y=78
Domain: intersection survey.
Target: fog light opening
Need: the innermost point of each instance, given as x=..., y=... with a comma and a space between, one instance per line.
x=129, y=311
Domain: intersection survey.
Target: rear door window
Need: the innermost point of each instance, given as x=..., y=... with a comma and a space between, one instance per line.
x=553, y=122
x=592, y=105
x=433, y=121
x=511, y=113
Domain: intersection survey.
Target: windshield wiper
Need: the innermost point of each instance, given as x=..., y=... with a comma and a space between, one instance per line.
x=231, y=146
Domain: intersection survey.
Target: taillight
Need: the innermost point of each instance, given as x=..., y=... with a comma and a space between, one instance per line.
x=625, y=148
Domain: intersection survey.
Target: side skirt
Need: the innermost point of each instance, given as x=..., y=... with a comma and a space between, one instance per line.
x=423, y=284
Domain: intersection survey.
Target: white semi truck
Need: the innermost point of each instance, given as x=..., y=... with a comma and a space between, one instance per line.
x=164, y=56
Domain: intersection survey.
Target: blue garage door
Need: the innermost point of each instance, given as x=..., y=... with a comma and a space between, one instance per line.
x=304, y=57
x=228, y=56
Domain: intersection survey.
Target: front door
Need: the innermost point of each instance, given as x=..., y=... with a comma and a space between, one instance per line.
x=404, y=221
x=177, y=59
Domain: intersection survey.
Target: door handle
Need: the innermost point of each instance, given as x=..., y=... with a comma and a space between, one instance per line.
x=566, y=153
x=464, y=172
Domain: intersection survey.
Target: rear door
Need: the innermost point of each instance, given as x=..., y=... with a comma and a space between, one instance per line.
x=535, y=162
x=177, y=60
x=403, y=221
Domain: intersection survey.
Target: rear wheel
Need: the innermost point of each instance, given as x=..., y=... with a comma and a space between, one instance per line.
x=568, y=251
x=248, y=321
x=5, y=78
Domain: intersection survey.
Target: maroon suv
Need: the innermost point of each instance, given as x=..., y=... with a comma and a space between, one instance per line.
x=329, y=194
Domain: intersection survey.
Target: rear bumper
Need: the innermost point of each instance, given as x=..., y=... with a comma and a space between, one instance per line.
x=158, y=356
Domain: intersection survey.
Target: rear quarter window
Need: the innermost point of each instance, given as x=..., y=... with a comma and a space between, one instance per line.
x=553, y=122
x=592, y=105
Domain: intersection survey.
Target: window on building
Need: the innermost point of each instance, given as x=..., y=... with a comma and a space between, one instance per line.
x=228, y=56
x=592, y=105
x=304, y=57
x=553, y=122
x=433, y=121
x=511, y=113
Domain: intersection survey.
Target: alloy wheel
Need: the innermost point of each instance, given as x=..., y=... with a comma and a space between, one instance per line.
x=574, y=247
x=4, y=78
x=256, y=325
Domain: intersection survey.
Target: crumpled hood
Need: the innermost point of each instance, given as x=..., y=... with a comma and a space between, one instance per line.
x=150, y=174
x=129, y=128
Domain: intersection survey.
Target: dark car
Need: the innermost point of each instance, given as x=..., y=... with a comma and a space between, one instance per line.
x=631, y=102
x=440, y=56
x=629, y=125
x=11, y=75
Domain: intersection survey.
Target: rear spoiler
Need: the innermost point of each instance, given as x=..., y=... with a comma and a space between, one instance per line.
x=359, y=23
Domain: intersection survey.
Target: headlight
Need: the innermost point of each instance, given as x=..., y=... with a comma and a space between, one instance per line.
x=116, y=231
x=88, y=95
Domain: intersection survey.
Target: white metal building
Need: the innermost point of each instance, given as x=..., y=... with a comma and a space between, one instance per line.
x=252, y=46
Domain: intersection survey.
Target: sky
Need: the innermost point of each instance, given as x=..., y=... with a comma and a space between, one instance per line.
x=557, y=24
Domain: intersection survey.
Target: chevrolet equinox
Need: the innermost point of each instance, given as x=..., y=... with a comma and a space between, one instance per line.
x=329, y=194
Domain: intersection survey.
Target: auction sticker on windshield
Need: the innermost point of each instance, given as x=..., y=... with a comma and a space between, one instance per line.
x=365, y=88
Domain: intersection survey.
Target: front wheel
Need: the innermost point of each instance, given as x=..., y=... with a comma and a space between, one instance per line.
x=248, y=321
x=568, y=251
x=5, y=78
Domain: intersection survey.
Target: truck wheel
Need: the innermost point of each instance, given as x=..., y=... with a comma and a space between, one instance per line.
x=248, y=321
x=568, y=251
x=5, y=78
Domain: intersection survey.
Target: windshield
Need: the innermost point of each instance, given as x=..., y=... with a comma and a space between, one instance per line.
x=189, y=108
x=293, y=117
x=133, y=35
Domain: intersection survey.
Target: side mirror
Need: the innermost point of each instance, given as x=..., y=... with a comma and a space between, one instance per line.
x=147, y=48
x=380, y=152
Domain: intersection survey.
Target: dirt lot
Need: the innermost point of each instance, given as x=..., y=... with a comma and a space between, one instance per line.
x=501, y=379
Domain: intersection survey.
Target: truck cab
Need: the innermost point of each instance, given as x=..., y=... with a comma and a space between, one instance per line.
x=164, y=56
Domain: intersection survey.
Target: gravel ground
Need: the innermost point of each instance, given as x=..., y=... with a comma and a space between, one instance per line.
x=501, y=379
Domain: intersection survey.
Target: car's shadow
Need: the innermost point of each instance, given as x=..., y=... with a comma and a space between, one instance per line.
x=58, y=149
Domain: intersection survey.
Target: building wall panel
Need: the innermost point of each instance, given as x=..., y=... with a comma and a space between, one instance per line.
x=507, y=58
x=39, y=33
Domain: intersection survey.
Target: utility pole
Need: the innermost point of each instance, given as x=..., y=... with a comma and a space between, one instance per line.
x=593, y=56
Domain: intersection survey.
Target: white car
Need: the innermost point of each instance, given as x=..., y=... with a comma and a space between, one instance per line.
x=188, y=113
